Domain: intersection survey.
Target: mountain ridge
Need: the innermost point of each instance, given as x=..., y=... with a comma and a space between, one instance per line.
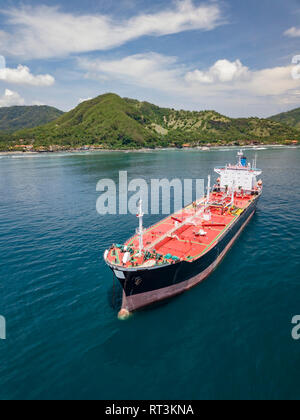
x=290, y=118
x=20, y=117
x=112, y=122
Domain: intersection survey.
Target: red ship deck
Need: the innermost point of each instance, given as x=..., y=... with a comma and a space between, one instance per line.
x=178, y=238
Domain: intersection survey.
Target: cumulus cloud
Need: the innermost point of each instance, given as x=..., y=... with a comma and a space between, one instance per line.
x=40, y=32
x=11, y=98
x=222, y=71
x=22, y=75
x=147, y=70
x=226, y=82
x=2, y=62
x=81, y=100
x=293, y=32
x=273, y=82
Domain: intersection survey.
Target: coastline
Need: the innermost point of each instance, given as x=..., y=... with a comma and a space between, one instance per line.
x=146, y=150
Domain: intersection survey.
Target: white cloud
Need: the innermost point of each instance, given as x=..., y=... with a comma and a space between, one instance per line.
x=147, y=70
x=81, y=100
x=38, y=103
x=2, y=62
x=40, y=32
x=11, y=98
x=225, y=82
x=222, y=71
x=234, y=76
x=293, y=32
x=21, y=75
x=273, y=82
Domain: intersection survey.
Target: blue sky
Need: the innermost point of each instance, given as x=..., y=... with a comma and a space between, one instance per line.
x=230, y=55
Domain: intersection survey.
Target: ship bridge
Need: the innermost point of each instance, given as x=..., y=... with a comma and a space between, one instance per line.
x=242, y=176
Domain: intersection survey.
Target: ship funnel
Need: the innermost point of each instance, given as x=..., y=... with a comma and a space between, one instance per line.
x=242, y=159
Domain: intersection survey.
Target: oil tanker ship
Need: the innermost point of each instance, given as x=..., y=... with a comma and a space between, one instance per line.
x=182, y=250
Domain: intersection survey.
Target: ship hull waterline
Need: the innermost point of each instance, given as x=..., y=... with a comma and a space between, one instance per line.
x=144, y=287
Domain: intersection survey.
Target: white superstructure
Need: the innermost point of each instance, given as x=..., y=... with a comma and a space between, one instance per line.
x=241, y=176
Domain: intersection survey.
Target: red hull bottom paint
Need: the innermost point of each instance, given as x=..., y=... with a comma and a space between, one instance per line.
x=136, y=302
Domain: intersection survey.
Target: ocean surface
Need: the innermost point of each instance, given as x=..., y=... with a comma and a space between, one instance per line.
x=229, y=338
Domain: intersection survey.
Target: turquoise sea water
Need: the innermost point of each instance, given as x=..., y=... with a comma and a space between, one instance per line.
x=229, y=338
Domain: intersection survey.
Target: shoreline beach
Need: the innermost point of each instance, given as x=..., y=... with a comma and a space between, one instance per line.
x=144, y=150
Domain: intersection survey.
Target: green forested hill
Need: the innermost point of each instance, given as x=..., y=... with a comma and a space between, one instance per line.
x=291, y=118
x=107, y=119
x=19, y=117
x=212, y=126
x=113, y=122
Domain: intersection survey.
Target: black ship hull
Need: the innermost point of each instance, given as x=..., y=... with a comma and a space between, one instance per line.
x=143, y=287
